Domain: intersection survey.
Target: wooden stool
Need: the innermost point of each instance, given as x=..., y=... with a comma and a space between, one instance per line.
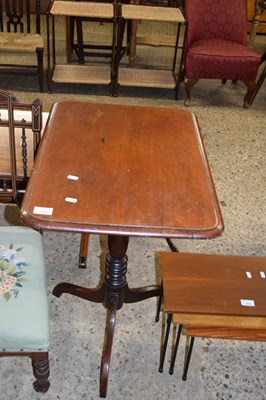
x=213, y=296
x=24, y=329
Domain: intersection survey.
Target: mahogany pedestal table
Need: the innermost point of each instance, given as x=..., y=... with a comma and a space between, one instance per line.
x=121, y=171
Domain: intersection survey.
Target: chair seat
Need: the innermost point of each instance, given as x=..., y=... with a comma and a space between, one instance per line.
x=24, y=306
x=23, y=42
x=221, y=59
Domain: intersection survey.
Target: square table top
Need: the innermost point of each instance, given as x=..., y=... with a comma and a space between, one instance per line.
x=214, y=285
x=117, y=169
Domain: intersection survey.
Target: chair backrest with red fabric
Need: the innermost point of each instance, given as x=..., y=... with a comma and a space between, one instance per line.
x=220, y=19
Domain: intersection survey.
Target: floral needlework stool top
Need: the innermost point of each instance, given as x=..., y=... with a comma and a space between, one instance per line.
x=13, y=271
x=23, y=292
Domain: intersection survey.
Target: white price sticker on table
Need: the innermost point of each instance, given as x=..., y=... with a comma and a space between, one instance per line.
x=247, y=303
x=43, y=210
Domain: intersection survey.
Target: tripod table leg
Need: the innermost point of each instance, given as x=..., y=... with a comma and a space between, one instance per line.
x=107, y=350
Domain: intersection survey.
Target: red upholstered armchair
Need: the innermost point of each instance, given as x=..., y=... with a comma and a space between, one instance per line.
x=216, y=44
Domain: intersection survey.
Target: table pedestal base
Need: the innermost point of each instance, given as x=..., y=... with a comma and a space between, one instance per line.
x=113, y=293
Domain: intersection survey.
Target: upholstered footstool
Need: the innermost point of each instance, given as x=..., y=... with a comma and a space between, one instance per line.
x=24, y=328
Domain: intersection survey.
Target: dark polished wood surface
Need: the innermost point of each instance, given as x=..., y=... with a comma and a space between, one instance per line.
x=137, y=171
x=142, y=171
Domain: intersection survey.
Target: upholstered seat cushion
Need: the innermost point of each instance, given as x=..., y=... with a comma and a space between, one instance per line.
x=23, y=295
x=221, y=59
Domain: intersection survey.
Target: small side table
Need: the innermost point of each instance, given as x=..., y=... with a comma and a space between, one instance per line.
x=151, y=77
x=129, y=171
x=67, y=73
x=216, y=296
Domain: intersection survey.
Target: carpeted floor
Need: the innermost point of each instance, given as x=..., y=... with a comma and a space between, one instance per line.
x=220, y=370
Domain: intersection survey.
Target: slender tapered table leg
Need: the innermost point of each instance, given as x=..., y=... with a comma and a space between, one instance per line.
x=83, y=250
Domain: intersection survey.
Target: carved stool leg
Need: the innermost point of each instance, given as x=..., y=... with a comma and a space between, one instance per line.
x=41, y=372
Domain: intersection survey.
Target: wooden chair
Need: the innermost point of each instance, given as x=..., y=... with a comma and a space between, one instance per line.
x=20, y=134
x=20, y=35
x=213, y=296
x=217, y=48
x=24, y=328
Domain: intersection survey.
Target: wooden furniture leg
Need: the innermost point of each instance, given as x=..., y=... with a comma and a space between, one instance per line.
x=83, y=250
x=255, y=22
x=175, y=250
x=173, y=358
x=41, y=371
x=258, y=85
x=113, y=294
x=107, y=350
x=188, y=357
x=81, y=59
x=133, y=42
x=165, y=342
x=69, y=37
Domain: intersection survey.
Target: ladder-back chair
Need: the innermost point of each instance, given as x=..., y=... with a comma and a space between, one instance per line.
x=20, y=35
x=19, y=142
